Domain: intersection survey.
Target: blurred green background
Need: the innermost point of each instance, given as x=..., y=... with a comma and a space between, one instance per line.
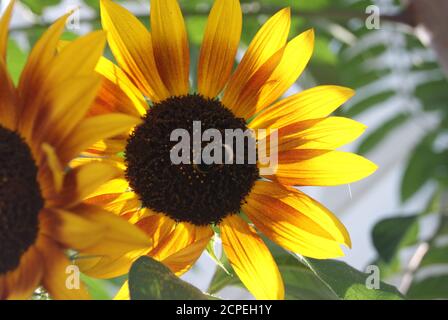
x=398, y=218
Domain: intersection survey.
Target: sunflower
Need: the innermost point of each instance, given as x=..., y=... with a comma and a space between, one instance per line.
x=43, y=127
x=181, y=207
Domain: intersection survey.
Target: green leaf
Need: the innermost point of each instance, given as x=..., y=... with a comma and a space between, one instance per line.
x=98, y=289
x=348, y=283
x=392, y=234
x=151, y=280
x=430, y=288
x=420, y=167
x=435, y=255
x=379, y=134
x=300, y=282
x=306, y=278
x=38, y=6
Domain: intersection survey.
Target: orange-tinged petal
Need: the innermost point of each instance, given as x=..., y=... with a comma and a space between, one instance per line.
x=251, y=259
x=295, y=221
x=8, y=101
x=22, y=282
x=327, y=134
x=219, y=46
x=4, y=27
x=269, y=39
x=170, y=41
x=55, y=278
x=315, y=103
x=294, y=60
x=117, y=93
x=54, y=167
x=321, y=167
x=132, y=47
x=94, y=129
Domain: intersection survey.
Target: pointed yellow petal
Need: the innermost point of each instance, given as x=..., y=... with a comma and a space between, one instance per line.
x=117, y=93
x=55, y=272
x=315, y=103
x=294, y=60
x=219, y=46
x=120, y=236
x=322, y=167
x=123, y=293
x=67, y=104
x=244, y=105
x=295, y=221
x=93, y=130
x=170, y=41
x=4, y=27
x=181, y=249
x=78, y=58
x=251, y=259
x=327, y=134
x=269, y=39
x=82, y=181
x=132, y=47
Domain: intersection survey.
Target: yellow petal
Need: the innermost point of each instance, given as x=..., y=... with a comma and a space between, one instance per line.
x=295, y=221
x=269, y=39
x=118, y=203
x=315, y=103
x=219, y=46
x=106, y=147
x=251, y=259
x=82, y=181
x=94, y=129
x=184, y=245
x=4, y=27
x=294, y=60
x=8, y=101
x=120, y=237
x=55, y=275
x=169, y=38
x=123, y=293
x=54, y=166
x=78, y=58
x=328, y=133
x=117, y=93
x=34, y=73
x=244, y=105
x=322, y=168
x=132, y=47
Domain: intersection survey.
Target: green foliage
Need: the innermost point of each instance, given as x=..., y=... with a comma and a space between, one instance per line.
x=307, y=278
x=151, y=280
x=390, y=235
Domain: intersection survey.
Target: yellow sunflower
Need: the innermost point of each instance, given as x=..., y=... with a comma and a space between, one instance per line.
x=43, y=127
x=181, y=207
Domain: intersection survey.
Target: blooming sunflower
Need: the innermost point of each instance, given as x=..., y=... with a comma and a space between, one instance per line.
x=181, y=207
x=42, y=127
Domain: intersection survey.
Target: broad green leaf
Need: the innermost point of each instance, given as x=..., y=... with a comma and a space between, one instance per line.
x=430, y=288
x=300, y=282
x=392, y=234
x=151, y=280
x=373, y=139
x=348, y=283
x=420, y=167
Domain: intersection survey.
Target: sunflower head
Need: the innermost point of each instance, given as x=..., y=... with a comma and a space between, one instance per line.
x=181, y=204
